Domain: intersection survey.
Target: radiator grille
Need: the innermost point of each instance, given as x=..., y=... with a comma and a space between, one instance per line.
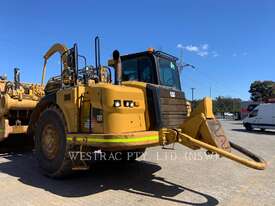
x=167, y=107
x=172, y=112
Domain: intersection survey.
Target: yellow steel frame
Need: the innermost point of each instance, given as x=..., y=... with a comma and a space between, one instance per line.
x=134, y=137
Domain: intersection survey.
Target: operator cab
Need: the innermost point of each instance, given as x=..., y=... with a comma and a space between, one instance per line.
x=165, y=99
x=151, y=66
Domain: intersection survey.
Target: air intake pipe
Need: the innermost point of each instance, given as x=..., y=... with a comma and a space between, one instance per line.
x=118, y=67
x=17, y=78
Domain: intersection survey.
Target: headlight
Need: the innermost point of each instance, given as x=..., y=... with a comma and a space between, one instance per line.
x=117, y=103
x=128, y=103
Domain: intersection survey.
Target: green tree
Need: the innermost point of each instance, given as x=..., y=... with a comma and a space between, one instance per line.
x=226, y=104
x=223, y=104
x=262, y=90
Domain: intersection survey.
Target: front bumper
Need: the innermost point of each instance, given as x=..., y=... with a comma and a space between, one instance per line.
x=116, y=142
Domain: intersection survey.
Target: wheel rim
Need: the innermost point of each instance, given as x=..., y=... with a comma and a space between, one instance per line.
x=50, y=142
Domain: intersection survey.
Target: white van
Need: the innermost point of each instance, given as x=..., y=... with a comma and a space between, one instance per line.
x=262, y=117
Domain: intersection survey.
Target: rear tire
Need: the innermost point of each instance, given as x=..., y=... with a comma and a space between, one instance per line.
x=50, y=144
x=248, y=126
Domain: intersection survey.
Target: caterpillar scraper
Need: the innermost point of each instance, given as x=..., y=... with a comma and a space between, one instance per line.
x=17, y=101
x=84, y=110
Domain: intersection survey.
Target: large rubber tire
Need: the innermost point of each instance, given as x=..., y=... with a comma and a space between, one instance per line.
x=248, y=127
x=123, y=156
x=50, y=144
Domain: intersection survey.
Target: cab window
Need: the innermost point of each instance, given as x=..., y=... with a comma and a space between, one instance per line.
x=130, y=70
x=254, y=113
x=145, y=66
x=139, y=69
x=169, y=75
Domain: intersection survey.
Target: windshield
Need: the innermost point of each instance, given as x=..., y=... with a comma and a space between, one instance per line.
x=169, y=75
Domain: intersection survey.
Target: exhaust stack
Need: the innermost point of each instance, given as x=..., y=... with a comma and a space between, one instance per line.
x=17, y=78
x=118, y=67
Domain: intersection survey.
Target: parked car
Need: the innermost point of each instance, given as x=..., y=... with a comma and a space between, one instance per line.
x=262, y=117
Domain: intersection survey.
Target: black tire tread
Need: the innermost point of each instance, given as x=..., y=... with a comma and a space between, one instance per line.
x=66, y=166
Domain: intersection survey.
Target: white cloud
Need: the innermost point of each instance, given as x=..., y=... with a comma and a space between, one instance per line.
x=192, y=48
x=215, y=54
x=179, y=46
x=205, y=47
x=202, y=53
x=201, y=50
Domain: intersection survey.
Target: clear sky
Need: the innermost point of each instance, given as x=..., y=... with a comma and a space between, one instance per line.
x=232, y=43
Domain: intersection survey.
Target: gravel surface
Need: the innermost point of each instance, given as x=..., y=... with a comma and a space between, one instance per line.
x=160, y=177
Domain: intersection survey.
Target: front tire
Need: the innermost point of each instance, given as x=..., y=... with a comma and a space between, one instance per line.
x=50, y=144
x=248, y=126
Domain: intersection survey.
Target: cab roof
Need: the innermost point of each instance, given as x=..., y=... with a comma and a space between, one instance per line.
x=148, y=53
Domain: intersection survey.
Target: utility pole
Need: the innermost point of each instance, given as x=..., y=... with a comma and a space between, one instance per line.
x=192, y=89
x=210, y=92
x=181, y=63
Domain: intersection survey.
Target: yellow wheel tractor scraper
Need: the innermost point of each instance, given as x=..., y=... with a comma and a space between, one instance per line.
x=85, y=110
x=17, y=101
